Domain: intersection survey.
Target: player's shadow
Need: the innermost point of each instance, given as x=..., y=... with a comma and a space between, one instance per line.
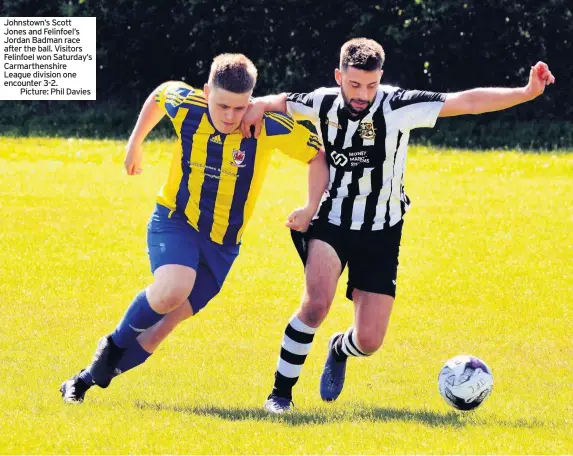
x=323, y=416
x=299, y=418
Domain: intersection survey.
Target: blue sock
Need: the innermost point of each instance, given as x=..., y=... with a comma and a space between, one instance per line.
x=86, y=376
x=138, y=318
x=133, y=357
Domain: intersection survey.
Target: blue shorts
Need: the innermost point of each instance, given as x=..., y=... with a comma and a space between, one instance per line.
x=172, y=240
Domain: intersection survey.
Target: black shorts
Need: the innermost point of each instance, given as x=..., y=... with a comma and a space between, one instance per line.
x=372, y=256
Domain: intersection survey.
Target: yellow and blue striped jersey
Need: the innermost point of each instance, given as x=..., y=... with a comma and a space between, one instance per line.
x=215, y=178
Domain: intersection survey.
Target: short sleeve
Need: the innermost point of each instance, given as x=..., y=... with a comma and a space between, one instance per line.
x=416, y=108
x=290, y=137
x=171, y=95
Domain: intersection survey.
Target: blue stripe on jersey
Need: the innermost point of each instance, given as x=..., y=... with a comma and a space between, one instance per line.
x=210, y=185
x=188, y=129
x=242, y=187
x=274, y=127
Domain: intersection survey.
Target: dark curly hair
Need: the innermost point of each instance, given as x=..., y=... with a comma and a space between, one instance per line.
x=363, y=54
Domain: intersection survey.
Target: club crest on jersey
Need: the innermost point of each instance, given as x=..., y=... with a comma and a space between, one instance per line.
x=238, y=158
x=366, y=129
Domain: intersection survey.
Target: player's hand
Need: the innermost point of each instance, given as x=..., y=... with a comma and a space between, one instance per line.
x=300, y=219
x=133, y=155
x=539, y=77
x=253, y=116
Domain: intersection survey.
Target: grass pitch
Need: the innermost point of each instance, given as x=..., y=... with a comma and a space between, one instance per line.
x=486, y=269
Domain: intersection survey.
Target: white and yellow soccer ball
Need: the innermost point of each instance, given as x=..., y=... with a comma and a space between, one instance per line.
x=465, y=382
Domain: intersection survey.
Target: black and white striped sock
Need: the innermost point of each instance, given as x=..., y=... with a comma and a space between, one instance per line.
x=345, y=345
x=295, y=346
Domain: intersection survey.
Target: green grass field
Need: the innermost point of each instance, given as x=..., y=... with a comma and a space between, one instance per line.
x=486, y=269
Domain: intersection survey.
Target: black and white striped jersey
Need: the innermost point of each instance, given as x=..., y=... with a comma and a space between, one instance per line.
x=367, y=153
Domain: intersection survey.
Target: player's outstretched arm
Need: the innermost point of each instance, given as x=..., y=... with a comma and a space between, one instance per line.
x=149, y=117
x=478, y=101
x=257, y=109
x=318, y=177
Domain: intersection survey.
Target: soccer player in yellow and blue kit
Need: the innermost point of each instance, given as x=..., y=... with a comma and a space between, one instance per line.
x=194, y=234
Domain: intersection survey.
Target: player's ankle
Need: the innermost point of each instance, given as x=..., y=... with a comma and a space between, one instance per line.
x=287, y=394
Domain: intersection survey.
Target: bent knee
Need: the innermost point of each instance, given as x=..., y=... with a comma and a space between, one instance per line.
x=165, y=298
x=369, y=343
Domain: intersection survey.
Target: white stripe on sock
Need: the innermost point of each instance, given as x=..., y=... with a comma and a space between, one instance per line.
x=300, y=326
x=355, y=341
x=288, y=369
x=346, y=344
x=294, y=347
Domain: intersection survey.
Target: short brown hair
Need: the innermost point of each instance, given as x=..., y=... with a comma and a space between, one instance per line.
x=362, y=53
x=233, y=72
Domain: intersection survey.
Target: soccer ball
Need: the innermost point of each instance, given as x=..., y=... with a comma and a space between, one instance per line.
x=465, y=382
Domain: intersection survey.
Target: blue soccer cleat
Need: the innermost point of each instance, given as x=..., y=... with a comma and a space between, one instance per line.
x=105, y=361
x=332, y=379
x=278, y=405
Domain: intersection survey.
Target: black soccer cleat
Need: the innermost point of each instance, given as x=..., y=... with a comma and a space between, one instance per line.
x=105, y=361
x=74, y=390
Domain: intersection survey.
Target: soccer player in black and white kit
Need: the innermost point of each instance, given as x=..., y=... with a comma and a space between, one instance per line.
x=365, y=129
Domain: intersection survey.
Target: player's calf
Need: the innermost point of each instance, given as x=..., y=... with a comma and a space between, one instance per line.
x=154, y=336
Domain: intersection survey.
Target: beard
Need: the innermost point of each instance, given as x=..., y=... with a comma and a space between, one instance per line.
x=353, y=111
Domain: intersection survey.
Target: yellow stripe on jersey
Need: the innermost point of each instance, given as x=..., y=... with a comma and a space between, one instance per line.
x=197, y=162
x=203, y=105
x=279, y=116
x=281, y=120
x=282, y=117
x=168, y=192
x=196, y=103
x=194, y=97
x=175, y=96
x=175, y=101
x=226, y=189
x=195, y=100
